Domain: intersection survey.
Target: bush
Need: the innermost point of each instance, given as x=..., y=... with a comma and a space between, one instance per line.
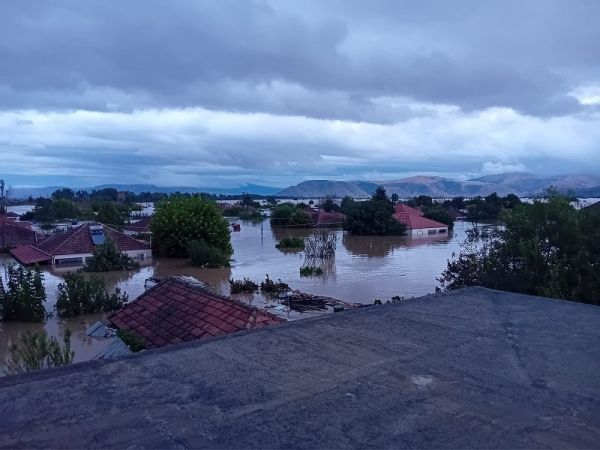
x=295, y=243
x=76, y=296
x=180, y=220
x=107, y=258
x=134, y=341
x=438, y=214
x=36, y=351
x=273, y=288
x=308, y=271
x=242, y=286
x=202, y=254
x=24, y=296
x=320, y=246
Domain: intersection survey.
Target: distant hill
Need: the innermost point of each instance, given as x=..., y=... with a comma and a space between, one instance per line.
x=24, y=192
x=329, y=188
x=522, y=184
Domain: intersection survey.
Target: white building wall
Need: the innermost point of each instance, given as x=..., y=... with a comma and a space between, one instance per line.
x=428, y=231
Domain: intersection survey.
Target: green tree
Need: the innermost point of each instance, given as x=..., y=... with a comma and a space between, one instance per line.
x=64, y=193
x=107, y=258
x=329, y=205
x=373, y=217
x=547, y=248
x=437, y=213
x=395, y=198
x=110, y=214
x=202, y=254
x=24, y=296
x=289, y=215
x=36, y=351
x=179, y=221
x=78, y=295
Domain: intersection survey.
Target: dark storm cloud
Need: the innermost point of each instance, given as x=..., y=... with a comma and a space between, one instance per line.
x=318, y=59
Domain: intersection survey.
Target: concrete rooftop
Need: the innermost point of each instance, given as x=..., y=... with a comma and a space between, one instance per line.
x=473, y=368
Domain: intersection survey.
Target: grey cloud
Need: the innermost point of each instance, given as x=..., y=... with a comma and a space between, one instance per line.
x=250, y=56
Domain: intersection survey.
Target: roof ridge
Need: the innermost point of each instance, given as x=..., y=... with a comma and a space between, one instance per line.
x=68, y=238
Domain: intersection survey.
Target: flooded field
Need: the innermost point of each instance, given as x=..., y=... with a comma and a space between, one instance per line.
x=364, y=268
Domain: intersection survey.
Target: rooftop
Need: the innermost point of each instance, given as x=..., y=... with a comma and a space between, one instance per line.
x=14, y=233
x=180, y=310
x=139, y=226
x=471, y=368
x=413, y=218
x=77, y=240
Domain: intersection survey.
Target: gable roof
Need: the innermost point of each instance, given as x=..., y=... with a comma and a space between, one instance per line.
x=14, y=233
x=413, y=218
x=326, y=218
x=178, y=310
x=74, y=241
x=141, y=226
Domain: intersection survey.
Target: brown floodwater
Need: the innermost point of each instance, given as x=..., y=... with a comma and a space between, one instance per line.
x=364, y=268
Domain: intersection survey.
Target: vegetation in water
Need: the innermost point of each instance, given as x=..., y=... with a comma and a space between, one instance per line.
x=320, y=246
x=310, y=271
x=179, y=221
x=547, y=248
x=439, y=214
x=35, y=351
x=244, y=285
x=24, y=295
x=274, y=287
x=373, y=217
x=295, y=243
x=78, y=295
x=107, y=258
x=289, y=215
x=134, y=341
x=202, y=254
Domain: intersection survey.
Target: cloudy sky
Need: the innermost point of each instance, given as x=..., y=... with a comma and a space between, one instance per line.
x=224, y=92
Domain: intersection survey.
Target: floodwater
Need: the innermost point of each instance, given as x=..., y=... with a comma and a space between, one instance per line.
x=364, y=268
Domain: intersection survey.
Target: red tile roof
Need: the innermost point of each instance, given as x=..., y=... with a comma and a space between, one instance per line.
x=78, y=241
x=326, y=218
x=413, y=218
x=141, y=226
x=14, y=233
x=179, y=310
x=28, y=254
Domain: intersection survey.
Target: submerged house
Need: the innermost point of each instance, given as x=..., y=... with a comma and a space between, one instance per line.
x=325, y=219
x=141, y=226
x=181, y=309
x=416, y=224
x=74, y=246
x=14, y=233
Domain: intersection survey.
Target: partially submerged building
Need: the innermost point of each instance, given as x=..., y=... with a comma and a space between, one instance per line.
x=416, y=223
x=322, y=218
x=141, y=226
x=14, y=233
x=74, y=246
x=182, y=309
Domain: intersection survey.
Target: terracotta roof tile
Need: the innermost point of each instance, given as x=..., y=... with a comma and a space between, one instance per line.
x=177, y=310
x=413, y=218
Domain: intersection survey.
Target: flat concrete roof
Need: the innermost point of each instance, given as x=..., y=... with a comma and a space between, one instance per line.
x=472, y=368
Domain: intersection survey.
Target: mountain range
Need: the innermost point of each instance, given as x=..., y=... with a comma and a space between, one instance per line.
x=519, y=183
x=522, y=184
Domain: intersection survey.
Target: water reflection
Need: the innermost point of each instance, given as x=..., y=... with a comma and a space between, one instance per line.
x=364, y=268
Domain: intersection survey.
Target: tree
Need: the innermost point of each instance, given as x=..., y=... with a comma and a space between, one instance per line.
x=36, y=351
x=78, y=295
x=289, y=215
x=547, y=248
x=107, y=258
x=373, y=217
x=24, y=296
x=437, y=213
x=179, y=221
x=110, y=214
x=395, y=198
x=202, y=254
x=64, y=193
x=2, y=197
x=329, y=205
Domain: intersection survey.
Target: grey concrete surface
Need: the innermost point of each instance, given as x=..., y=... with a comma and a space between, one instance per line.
x=470, y=369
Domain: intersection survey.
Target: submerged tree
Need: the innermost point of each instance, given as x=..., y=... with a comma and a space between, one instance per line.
x=373, y=217
x=36, y=351
x=180, y=220
x=107, y=257
x=78, y=295
x=547, y=248
x=24, y=296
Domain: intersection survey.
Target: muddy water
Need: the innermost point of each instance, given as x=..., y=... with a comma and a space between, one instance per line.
x=364, y=268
